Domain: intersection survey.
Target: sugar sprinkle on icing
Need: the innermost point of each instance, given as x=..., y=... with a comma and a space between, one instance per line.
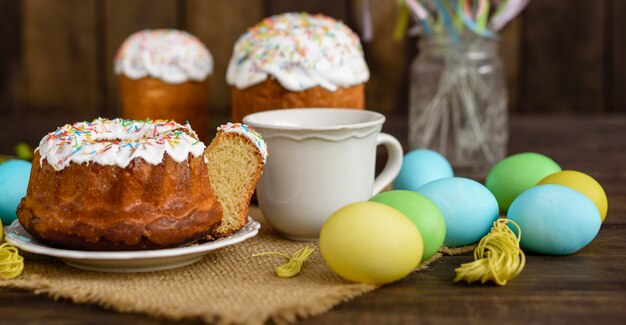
x=118, y=142
x=299, y=50
x=171, y=55
x=248, y=132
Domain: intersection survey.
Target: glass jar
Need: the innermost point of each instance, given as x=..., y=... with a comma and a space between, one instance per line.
x=458, y=103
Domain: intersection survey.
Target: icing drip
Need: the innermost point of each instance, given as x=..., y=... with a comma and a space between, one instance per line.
x=170, y=55
x=248, y=132
x=118, y=142
x=299, y=50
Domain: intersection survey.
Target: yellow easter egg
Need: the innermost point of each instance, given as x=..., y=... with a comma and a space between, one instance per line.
x=370, y=242
x=582, y=183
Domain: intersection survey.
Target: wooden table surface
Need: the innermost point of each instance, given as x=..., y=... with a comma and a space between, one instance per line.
x=587, y=287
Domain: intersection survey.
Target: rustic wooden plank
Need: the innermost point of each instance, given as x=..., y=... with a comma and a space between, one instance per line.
x=564, y=55
x=594, y=151
x=9, y=55
x=41, y=309
x=617, y=56
x=563, y=290
x=59, y=58
x=610, y=239
x=510, y=51
x=30, y=128
x=219, y=24
x=122, y=18
x=388, y=60
x=339, y=9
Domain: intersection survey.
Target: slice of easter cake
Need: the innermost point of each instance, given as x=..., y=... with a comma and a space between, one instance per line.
x=236, y=158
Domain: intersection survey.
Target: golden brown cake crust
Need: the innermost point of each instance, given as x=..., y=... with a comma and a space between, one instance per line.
x=142, y=206
x=152, y=98
x=269, y=94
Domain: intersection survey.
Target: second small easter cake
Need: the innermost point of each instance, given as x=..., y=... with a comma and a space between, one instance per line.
x=164, y=74
x=297, y=60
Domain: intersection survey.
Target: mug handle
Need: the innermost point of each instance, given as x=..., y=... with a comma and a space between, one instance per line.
x=394, y=162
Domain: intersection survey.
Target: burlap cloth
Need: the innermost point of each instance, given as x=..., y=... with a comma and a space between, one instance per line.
x=226, y=286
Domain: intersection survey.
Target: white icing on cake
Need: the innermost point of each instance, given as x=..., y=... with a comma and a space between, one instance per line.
x=299, y=50
x=249, y=133
x=118, y=142
x=170, y=55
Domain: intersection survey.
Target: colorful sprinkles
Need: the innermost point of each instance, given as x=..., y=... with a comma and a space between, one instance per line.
x=119, y=141
x=248, y=132
x=301, y=51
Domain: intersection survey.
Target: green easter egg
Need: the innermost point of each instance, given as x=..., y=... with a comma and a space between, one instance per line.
x=422, y=212
x=24, y=151
x=517, y=173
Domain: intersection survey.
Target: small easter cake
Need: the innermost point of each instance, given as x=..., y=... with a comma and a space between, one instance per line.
x=163, y=74
x=131, y=185
x=296, y=60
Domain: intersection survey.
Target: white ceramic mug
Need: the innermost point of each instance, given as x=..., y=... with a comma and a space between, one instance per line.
x=319, y=160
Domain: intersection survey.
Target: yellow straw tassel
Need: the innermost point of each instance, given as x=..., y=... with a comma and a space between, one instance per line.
x=498, y=256
x=11, y=263
x=294, y=265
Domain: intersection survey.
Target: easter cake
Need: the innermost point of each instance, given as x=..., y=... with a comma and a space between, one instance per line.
x=163, y=74
x=296, y=60
x=131, y=185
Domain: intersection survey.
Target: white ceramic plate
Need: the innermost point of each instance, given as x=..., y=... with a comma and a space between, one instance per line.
x=127, y=261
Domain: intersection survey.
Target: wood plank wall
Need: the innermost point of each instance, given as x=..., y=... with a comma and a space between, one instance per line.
x=56, y=56
x=564, y=60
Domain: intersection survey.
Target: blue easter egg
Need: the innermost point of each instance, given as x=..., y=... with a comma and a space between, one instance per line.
x=420, y=167
x=555, y=219
x=14, y=175
x=468, y=207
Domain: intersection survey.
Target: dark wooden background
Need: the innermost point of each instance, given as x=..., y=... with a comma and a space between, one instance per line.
x=562, y=56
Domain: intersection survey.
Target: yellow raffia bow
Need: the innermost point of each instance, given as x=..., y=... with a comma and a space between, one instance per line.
x=11, y=263
x=294, y=265
x=498, y=256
